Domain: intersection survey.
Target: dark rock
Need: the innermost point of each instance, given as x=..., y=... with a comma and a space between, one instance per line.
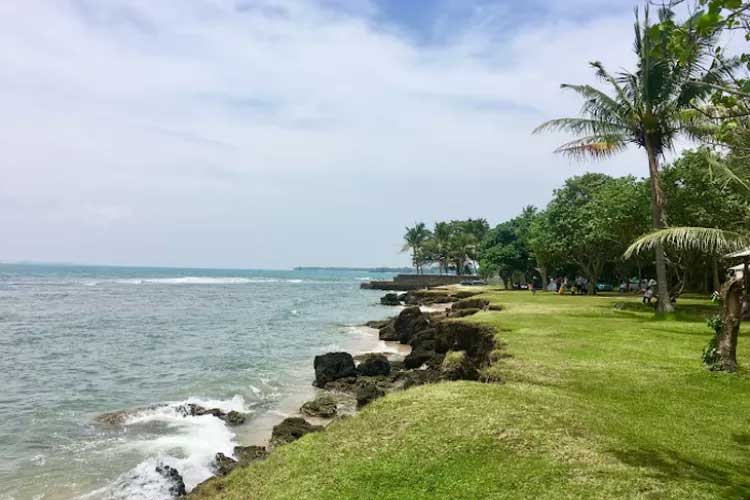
x=333, y=366
x=409, y=323
x=177, y=485
x=456, y=365
x=194, y=410
x=223, y=464
x=346, y=384
x=367, y=393
x=424, y=339
x=477, y=340
x=479, y=304
x=413, y=378
x=390, y=299
x=495, y=307
x=462, y=313
x=247, y=454
x=323, y=406
x=380, y=323
x=464, y=294
x=374, y=365
x=418, y=357
x=234, y=418
x=388, y=333
x=291, y=429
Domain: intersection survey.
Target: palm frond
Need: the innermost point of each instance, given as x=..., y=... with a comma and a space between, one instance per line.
x=595, y=146
x=710, y=241
x=580, y=126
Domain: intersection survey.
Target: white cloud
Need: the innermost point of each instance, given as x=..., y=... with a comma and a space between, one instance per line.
x=194, y=133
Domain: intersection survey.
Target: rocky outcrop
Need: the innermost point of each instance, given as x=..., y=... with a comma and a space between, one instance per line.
x=462, y=313
x=457, y=365
x=472, y=303
x=232, y=417
x=223, y=464
x=379, y=323
x=388, y=332
x=176, y=484
x=243, y=455
x=411, y=321
x=374, y=365
x=368, y=392
x=390, y=299
x=291, y=429
x=323, y=406
x=333, y=366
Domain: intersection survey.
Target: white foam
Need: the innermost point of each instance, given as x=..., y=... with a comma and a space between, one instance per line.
x=188, y=444
x=203, y=280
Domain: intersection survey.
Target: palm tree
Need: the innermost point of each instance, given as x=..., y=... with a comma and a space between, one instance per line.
x=414, y=240
x=649, y=108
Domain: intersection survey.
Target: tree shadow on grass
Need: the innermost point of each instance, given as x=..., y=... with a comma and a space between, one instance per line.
x=669, y=465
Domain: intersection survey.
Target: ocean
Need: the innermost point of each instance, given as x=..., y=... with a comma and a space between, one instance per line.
x=80, y=341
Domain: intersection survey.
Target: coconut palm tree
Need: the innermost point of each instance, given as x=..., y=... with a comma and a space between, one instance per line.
x=649, y=108
x=414, y=240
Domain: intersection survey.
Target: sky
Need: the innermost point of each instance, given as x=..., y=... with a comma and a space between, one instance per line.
x=277, y=133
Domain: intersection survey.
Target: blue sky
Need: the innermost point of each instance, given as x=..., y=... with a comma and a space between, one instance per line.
x=274, y=133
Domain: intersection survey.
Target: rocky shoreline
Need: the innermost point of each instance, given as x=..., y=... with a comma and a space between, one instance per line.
x=442, y=348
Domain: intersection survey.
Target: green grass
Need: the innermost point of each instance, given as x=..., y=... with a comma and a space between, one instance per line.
x=597, y=401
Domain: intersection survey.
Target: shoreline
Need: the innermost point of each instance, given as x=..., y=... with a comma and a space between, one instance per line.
x=384, y=366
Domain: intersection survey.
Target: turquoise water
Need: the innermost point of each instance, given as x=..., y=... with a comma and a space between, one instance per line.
x=80, y=341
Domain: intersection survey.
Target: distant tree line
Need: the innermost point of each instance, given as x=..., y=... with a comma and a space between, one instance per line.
x=451, y=246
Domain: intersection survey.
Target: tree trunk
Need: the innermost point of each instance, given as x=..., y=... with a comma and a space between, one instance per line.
x=543, y=272
x=715, y=273
x=658, y=220
x=731, y=314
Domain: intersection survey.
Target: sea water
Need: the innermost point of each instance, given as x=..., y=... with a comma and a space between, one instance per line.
x=77, y=342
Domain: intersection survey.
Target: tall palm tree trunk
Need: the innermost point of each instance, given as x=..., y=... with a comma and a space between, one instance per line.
x=658, y=220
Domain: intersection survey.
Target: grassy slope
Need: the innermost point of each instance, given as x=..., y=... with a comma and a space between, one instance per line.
x=598, y=402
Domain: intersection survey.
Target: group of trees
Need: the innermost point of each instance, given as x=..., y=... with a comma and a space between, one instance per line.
x=592, y=219
x=452, y=245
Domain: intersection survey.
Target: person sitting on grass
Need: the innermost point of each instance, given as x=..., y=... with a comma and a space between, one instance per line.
x=648, y=295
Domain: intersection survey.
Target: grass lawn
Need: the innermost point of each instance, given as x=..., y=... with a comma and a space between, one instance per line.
x=598, y=402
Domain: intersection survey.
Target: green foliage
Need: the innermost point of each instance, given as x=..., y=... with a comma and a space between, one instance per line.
x=415, y=239
x=710, y=354
x=590, y=220
x=505, y=249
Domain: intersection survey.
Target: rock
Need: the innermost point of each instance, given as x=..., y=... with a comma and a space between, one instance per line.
x=495, y=307
x=424, y=339
x=390, y=299
x=456, y=365
x=234, y=418
x=177, y=485
x=388, y=333
x=367, y=393
x=479, y=304
x=323, y=406
x=464, y=294
x=477, y=340
x=246, y=454
x=346, y=384
x=194, y=410
x=420, y=377
x=333, y=366
x=223, y=464
x=409, y=323
x=418, y=357
x=291, y=429
x=462, y=313
x=378, y=324
x=374, y=365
